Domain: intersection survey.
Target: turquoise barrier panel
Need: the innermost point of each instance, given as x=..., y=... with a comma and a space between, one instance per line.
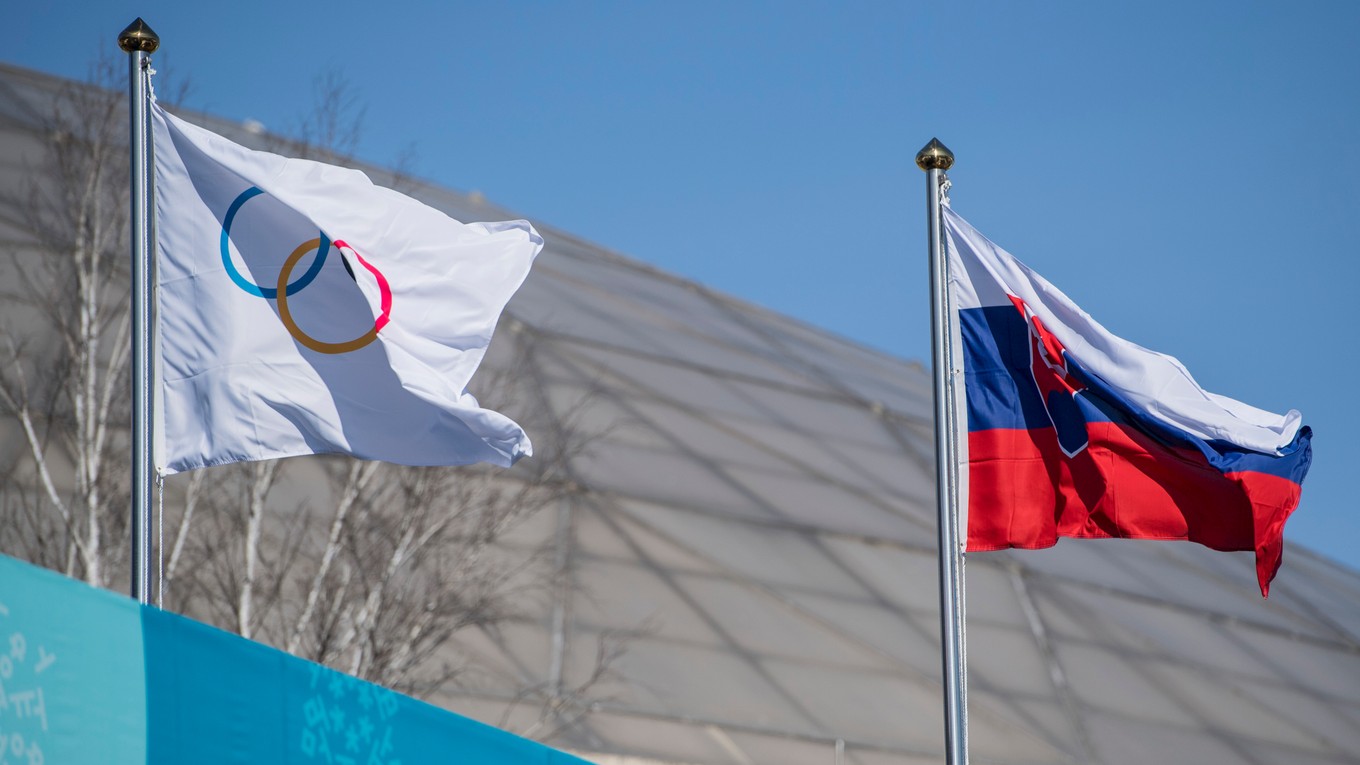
x=209, y=699
x=71, y=676
x=90, y=677
x=216, y=699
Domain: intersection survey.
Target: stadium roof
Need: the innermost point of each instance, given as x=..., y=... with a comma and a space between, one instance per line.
x=756, y=513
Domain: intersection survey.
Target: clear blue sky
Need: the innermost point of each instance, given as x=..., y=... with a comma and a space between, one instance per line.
x=1187, y=172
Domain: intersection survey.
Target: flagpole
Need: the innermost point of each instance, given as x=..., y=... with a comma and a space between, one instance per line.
x=936, y=158
x=139, y=42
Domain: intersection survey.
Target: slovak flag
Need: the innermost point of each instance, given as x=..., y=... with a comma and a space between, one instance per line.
x=1073, y=432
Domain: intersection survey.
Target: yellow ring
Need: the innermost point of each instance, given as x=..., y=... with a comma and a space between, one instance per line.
x=287, y=317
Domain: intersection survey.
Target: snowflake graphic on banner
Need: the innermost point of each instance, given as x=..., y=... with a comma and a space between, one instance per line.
x=23, y=708
x=347, y=721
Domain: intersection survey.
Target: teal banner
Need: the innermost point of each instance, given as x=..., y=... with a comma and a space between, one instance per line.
x=72, y=682
x=88, y=676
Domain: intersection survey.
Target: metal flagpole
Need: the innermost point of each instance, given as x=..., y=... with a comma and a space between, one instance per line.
x=139, y=42
x=935, y=158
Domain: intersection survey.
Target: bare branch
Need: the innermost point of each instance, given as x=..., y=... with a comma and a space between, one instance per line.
x=261, y=481
x=191, y=497
x=359, y=475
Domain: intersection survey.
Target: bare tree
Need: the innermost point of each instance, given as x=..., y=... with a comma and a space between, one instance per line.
x=331, y=129
x=65, y=352
x=561, y=707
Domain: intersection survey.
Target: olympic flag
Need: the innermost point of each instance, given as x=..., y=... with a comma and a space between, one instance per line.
x=1074, y=432
x=305, y=310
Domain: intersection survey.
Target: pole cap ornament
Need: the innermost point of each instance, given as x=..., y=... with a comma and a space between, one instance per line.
x=139, y=37
x=935, y=156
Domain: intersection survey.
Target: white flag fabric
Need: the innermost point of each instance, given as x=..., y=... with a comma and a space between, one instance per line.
x=984, y=275
x=305, y=310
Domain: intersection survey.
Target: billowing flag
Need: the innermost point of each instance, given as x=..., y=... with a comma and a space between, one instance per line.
x=304, y=310
x=1073, y=432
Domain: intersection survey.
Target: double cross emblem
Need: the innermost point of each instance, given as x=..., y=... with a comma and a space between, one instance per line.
x=1058, y=388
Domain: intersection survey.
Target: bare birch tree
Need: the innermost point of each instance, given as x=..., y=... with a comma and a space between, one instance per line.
x=65, y=351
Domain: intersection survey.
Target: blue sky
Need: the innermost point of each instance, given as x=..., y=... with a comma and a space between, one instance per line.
x=1189, y=173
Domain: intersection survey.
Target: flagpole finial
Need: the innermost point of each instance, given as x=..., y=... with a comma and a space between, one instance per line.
x=935, y=156
x=139, y=36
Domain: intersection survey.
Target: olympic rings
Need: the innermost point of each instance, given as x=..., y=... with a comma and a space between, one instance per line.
x=322, y=246
x=246, y=284
x=286, y=316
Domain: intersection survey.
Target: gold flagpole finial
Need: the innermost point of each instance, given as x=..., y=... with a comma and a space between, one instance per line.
x=935, y=156
x=139, y=37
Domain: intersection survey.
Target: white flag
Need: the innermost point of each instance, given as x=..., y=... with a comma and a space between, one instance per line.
x=304, y=310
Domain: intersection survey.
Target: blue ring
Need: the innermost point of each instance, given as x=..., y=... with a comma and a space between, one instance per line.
x=244, y=283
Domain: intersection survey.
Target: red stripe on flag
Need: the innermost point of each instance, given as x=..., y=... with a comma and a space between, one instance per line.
x=1024, y=492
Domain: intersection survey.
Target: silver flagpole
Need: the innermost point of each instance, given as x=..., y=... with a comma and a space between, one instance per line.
x=139, y=42
x=935, y=158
